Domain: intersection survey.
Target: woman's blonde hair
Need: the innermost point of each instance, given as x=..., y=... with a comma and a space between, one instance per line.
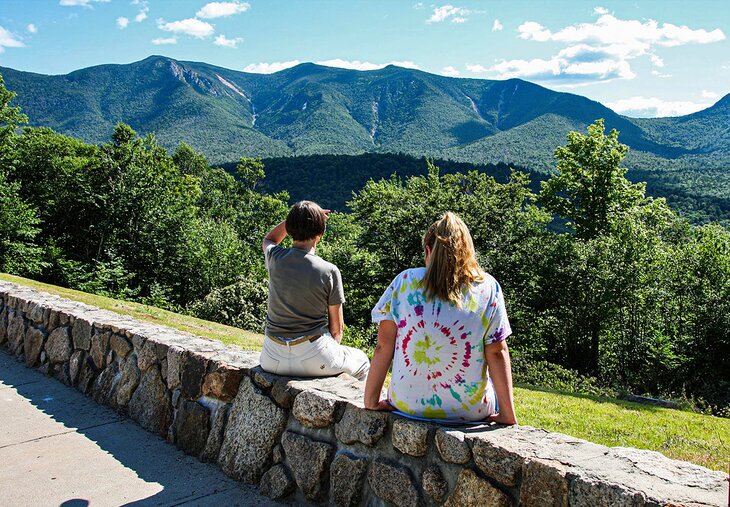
x=453, y=263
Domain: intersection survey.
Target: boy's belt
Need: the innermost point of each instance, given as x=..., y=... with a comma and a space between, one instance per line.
x=295, y=341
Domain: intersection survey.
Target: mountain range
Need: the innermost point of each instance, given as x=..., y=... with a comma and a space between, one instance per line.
x=314, y=110
x=311, y=109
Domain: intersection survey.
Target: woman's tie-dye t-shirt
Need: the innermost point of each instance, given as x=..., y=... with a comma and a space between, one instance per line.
x=439, y=367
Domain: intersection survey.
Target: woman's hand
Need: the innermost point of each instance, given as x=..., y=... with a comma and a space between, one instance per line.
x=501, y=419
x=382, y=406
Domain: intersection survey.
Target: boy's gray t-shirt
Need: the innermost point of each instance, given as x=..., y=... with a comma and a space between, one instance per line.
x=301, y=287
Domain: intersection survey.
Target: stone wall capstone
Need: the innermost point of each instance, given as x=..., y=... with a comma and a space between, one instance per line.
x=310, y=440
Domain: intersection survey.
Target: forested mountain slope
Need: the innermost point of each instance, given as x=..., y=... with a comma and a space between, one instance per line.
x=310, y=109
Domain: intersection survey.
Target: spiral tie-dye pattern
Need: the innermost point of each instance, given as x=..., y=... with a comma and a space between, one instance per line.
x=439, y=370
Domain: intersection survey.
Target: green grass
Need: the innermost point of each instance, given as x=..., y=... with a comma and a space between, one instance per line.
x=204, y=328
x=688, y=436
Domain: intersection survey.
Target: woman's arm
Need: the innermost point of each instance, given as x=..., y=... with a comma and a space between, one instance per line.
x=379, y=366
x=336, y=321
x=275, y=236
x=500, y=370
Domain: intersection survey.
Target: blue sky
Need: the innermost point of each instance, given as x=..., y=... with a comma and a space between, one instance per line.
x=642, y=58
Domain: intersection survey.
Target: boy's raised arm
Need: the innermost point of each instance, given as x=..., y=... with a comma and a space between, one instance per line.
x=275, y=236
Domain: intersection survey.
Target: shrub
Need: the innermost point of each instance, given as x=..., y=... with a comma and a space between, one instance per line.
x=242, y=304
x=553, y=376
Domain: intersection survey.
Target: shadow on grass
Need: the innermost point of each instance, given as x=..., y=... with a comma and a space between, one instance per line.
x=629, y=405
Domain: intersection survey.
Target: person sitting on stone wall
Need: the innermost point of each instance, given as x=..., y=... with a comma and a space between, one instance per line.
x=304, y=321
x=444, y=327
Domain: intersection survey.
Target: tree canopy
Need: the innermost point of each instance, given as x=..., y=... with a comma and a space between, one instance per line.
x=628, y=297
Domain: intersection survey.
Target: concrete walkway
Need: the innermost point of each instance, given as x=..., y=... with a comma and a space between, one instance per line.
x=59, y=448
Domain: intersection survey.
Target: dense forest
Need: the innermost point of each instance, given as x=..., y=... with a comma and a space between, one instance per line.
x=702, y=196
x=626, y=297
x=331, y=180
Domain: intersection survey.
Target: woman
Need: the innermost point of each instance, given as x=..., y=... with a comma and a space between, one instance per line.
x=304, y=314
x=444, y=328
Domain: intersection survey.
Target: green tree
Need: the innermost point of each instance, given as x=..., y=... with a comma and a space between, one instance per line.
x=10, y=119
x=188, y=161
x=610, y=300
x=613, y=307
x=360, y=267
x=18, y=228
x=144, y=207
x=18, y=219
x=702, y=290
x=250, y=171
x=213, y=255
x=590, y=185
x=55, y=174
x=219, y=191
x=509, y=231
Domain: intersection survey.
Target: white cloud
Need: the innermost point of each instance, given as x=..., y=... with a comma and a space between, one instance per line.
x=81, y=3
x=221, y=9
x=190, y=26
x=32, y=28
x=651, y=107
x=566, y=69
x=418, y=6
x=122, y=22
x=526, y=68
x=269, y=68
x=9, y=40
x=475, y=68
x=221, y=40
x=600, y=51
x=706, y=94
x=162, y=41
x=444, y=12
x=142, y=14
x=358, y=65
x=659, y=74
x=530, y=30
x=450, y=71
x=622, y=37
x=497, y=26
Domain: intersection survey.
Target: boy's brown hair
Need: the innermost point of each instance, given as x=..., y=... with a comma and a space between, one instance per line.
x=305, y=221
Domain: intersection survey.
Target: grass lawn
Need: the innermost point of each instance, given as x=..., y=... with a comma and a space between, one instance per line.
x=697, y=438
x=226, y=334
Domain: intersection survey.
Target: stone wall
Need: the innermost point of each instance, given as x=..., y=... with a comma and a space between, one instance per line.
x=311, y=440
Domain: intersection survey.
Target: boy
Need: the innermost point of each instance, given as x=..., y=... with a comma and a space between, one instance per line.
x=304, y=320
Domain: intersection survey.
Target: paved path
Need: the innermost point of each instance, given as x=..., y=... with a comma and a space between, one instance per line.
x=59, y=448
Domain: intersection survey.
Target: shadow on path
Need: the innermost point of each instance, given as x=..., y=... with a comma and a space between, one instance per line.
x=55, y=443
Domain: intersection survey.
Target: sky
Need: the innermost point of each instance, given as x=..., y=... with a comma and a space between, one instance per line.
x=640, y=58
